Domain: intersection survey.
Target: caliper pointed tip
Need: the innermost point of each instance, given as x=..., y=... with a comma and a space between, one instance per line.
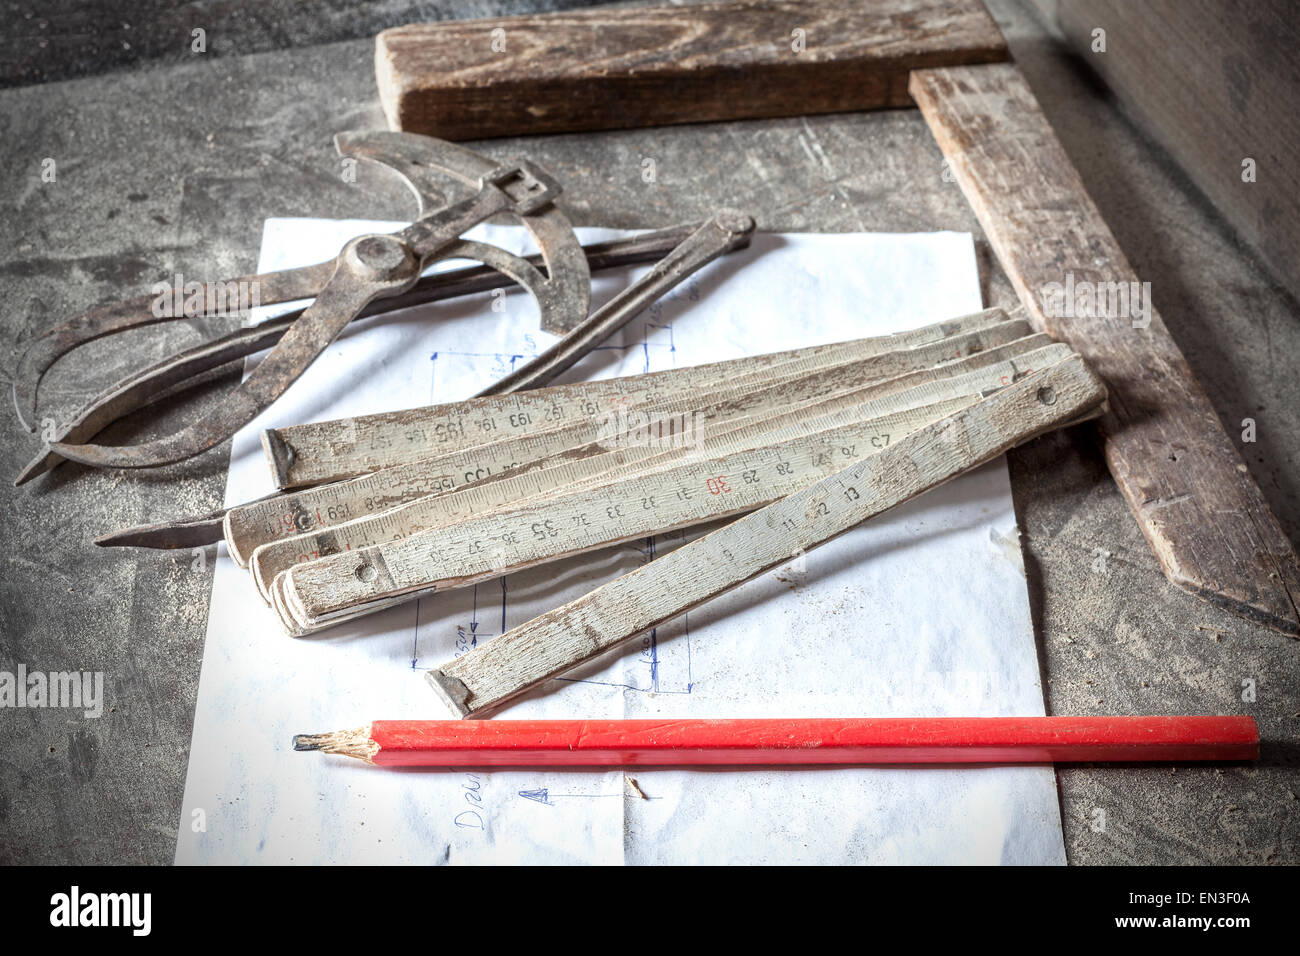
x=125, y=538
x=37, y=466
x=180, y=446
x=25, y=406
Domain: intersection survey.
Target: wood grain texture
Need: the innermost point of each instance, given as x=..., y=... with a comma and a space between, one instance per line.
x=705, y=431
x=713, y=403
x=487, y=677
x=1214, y=83
x=651, y=66
x=475, y=476
x=1192, y=495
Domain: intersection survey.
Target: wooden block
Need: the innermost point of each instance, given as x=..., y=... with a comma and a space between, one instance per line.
x=651, y=66
x=1216, y=84
x=1193, y=497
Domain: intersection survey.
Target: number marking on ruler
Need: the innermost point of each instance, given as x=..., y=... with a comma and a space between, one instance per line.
x=927, y=400
x=310, y=454
x=581, y=519
x=248, y=526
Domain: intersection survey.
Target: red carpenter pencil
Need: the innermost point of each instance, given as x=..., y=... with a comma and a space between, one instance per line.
x=790, y=741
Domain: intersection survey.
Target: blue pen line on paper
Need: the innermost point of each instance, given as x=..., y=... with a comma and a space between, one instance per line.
x=468, y=640
x=415, y=638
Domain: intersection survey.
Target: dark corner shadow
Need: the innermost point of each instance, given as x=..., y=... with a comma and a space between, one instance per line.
x=1278, y=753
x=1037, y=591
x=986, y=267
x=1060, y=79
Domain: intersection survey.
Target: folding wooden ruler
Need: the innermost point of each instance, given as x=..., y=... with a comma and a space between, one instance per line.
x=483, y=679
x=477, y=489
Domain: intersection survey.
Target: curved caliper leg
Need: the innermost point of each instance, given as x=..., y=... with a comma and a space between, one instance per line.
x=368, y=268
x=41, y=353
x=194, y=365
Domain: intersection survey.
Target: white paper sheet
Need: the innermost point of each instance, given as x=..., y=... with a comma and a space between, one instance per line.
x=921, y=612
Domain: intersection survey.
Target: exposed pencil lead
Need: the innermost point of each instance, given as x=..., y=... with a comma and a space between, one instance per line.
x=309, y=741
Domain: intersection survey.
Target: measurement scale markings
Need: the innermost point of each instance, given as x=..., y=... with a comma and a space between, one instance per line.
x=1041, y=359
x=880, y=422
x=577, y=465
x=585, y=463
x=327, y=451
x=583, y=520
x=495, y=672
x=256, y=523
x=914, y=389
x=599, y=464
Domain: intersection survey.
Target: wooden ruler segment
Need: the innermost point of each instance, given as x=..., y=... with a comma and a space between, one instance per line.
x=258, y=522
x=986, y=377
x=575, y=521
x=440, y=511
x=1189, y=489
x=318, y=452
x=647, y=66
x=926, y=400
x=495, y=672
x=267, y=520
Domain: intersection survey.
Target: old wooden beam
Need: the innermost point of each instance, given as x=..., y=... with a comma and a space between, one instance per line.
x=1193, y=497
x=651, y=66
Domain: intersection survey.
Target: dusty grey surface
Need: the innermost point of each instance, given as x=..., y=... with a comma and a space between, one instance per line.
x=173, y=168
x=62, y=39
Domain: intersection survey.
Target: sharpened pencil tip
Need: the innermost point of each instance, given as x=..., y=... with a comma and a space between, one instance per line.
x=349, y=743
